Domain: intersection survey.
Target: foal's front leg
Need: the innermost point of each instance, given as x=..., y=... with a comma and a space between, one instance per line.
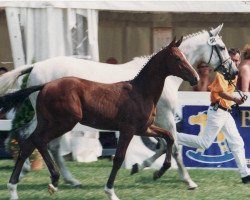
x=156, y=131
x=122, y=146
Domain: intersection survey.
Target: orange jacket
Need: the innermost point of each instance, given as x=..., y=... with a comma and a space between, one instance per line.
x=219, y=85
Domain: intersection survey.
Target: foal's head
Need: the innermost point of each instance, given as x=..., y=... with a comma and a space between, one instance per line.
x=178, y=64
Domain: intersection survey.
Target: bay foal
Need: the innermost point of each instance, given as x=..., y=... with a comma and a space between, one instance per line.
x=127, y=106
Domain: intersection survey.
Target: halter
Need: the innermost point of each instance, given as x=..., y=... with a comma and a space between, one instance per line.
x=221, y=67
x=224, y=71
x=242, y=95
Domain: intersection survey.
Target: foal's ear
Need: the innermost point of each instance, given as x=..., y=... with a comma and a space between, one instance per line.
x=172, y=44
x=177, y=44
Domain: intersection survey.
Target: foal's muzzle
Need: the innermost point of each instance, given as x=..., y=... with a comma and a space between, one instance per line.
x=194, y=81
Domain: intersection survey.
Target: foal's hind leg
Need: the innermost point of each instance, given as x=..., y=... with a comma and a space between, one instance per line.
x=42, y=148
x=155, y=131
x=40, y=140
x=26, y=148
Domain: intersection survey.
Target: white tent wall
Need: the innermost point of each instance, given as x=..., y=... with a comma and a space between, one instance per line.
x=40, y=33
x=145, y=6
x=137, y=32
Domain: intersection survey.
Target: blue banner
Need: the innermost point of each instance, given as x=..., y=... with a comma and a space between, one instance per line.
x=218, y=155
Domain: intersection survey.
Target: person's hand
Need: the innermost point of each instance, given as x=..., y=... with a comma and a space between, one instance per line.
x=239, y=100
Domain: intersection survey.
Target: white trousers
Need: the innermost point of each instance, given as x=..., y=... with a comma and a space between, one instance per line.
x=217, y=121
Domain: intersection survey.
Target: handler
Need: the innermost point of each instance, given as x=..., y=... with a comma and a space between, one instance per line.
x=219, y=118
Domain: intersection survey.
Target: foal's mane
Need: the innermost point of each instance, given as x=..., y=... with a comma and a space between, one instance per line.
x=163, y=49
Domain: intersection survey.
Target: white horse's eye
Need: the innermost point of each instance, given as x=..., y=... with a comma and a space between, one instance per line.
x=223, y=48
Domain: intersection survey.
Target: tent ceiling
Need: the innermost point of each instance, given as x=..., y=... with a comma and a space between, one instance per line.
x=152, y=6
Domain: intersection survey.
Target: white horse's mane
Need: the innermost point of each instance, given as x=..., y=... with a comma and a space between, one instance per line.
x=193, y=34
x=150, y=56
x=184, y=38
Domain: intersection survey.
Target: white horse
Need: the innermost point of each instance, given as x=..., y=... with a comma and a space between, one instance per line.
x=204, y=46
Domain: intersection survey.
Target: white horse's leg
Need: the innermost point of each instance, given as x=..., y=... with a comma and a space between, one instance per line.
x=165, y=119
x=148, y=162
x=26, y=168
x=54, y=147
x=110, y=193
x=181, y=168
x=13, y=191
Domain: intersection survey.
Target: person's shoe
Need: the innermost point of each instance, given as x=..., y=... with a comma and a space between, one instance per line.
x=246, y=179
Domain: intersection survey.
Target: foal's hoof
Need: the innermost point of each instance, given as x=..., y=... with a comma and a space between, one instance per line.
x=110, y=193
x=156, y=175
x=13, y=191
x=135, y=169
x=52, y=189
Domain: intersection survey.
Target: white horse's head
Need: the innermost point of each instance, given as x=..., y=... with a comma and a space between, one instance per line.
x=208, y=47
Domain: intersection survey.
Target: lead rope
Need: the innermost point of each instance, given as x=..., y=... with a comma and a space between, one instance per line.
x=242, y=95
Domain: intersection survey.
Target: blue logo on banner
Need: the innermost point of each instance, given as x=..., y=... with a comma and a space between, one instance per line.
x=218, y=154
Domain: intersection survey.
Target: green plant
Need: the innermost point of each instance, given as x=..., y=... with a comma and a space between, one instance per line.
x=23, y=116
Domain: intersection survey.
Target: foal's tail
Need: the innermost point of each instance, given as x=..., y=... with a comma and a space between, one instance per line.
x=13, y=100
x=8, y=80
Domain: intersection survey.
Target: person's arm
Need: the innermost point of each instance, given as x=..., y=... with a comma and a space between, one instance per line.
x=200, y=87
x=226, y=96
x=244, y=73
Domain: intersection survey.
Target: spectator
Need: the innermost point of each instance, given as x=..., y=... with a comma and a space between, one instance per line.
x=3, y=70
x=205, y=77
x=244, y=70
x=112, y=60
x=235, y=56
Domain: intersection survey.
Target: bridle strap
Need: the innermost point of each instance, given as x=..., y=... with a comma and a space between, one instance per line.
x=242, y=95
x=211, y=55
x=212, y=50
x=218, y=53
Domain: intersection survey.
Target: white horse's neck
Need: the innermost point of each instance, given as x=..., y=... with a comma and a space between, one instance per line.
x=191, y=47
x=174, y=81
x=137, y=63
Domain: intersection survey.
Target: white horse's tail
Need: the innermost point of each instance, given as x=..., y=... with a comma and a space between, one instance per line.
x=8, y=80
